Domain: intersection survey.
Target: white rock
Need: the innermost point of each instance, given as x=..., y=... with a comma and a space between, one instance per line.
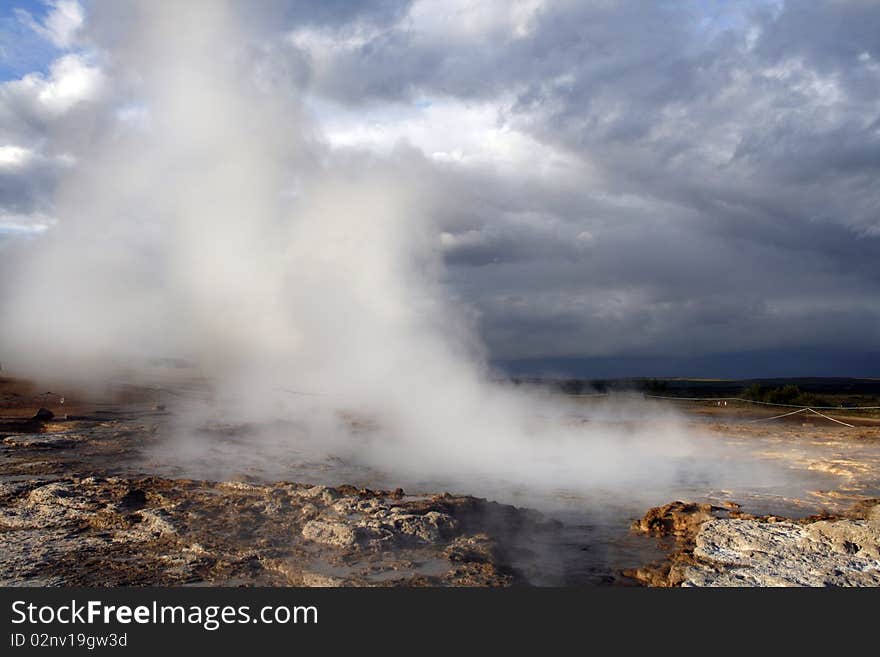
x=751, y=553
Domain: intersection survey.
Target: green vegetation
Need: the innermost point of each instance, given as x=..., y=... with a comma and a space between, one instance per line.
x=789, y=394
x=655, y=386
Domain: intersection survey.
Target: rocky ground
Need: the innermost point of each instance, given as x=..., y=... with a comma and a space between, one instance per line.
x=850, y=455
x=92, y=496
x=98, y=531
x=74, y=511
x=722, y=546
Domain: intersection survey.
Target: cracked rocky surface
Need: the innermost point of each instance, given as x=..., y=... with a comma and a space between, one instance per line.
x=122, y=531
x=724, y=547
x=76, y=511
x=100, y=497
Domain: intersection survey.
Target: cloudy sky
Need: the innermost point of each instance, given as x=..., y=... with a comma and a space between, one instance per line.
x=619, y=187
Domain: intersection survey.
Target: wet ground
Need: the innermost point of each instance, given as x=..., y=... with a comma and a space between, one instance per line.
x=106, y=492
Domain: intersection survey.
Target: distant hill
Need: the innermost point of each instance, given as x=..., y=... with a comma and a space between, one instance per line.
x=768, y=364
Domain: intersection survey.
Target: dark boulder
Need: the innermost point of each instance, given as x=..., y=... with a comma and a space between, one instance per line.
x=43, y=415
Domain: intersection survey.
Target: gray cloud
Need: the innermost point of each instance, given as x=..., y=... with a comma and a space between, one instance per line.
x=723, y=195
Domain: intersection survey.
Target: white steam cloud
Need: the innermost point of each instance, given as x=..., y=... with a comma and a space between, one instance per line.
x=206, y=222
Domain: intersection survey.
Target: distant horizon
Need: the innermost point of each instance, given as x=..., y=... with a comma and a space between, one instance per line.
x=758, y=364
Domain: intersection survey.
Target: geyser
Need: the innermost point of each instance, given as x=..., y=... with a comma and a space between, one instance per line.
x=206, y=220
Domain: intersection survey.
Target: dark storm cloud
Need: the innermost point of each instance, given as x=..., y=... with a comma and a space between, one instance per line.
x=730, y=151
x=754, y=156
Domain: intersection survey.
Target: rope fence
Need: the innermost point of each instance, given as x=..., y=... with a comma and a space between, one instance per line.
x=798, y=409
x=802, y=410
x=763, y=403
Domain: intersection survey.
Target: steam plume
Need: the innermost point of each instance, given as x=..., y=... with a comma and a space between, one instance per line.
x=207, y=222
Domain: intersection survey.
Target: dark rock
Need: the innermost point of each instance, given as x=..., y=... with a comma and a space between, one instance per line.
x=134, y=499
x=41, y=440
x=43, y=415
